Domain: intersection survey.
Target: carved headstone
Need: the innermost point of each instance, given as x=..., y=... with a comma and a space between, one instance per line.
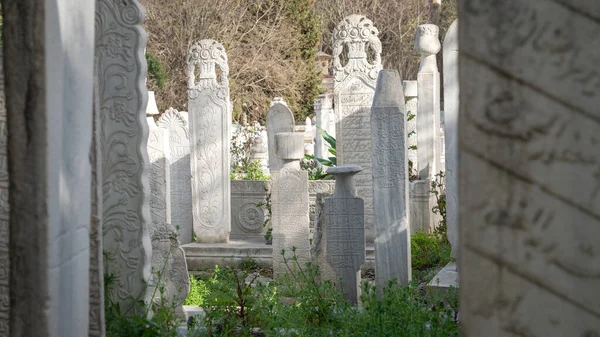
x=345, y=230
x=169, y=268
x=353, y=94
x=290, y=204
x=410, y=94
x=4, y=213
x=529, y=168
x=279, y=119
x=210, y=128
x=121, y=72
x=176, y=124
x=160, y=203
x=390, y=181
x=451, y=92
x=248, y=212
x=49, y=74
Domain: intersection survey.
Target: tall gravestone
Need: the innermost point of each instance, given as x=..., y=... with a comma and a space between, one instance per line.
x=353, y=94
x=345, y=230
x=48, y=67
x=390, y=181
x=178, y=132
x=529, y=161
x=158, y=154
x=410, y=94
x=4, y=213
x=279, y=119
x=210, y=128
x=290, y=204
x=451, y=92
x=121, y=71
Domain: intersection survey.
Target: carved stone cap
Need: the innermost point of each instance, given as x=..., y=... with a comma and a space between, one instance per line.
x=277, y=100
x=204, y=57
x=388, y=91
x=344, y=169
x=427, y=42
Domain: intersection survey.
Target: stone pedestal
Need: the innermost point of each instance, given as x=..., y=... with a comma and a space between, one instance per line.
x=290, y=207
x=345, y=231
x=210, y=129
x=390, y=182
x=353, y=93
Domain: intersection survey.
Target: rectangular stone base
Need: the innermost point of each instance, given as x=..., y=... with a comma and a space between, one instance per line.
x=446, y=278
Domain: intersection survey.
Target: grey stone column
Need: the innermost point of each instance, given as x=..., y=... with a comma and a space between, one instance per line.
x=345, y=230
x=49, y=72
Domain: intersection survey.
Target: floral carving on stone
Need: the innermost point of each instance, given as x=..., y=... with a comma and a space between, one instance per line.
x=204, y=57
x=121, y=72
x=358, y=35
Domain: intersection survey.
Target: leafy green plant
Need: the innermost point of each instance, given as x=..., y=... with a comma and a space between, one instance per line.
x=428, y=250
x=310, y=162
x=438, y=189
x=156, y=70
x=253, y=171
x=198, y=292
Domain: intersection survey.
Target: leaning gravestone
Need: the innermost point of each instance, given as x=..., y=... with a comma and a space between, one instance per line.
x=529, y=168
x=121, y=72
x=353, y=94
x=345, y=230
x=4, y=214
x=170, y=268
x=160, y=203
x=390, y=181
x=210, y=128
x=290, y=204
x=451, y=92
x=176, y=124
x=279, y=119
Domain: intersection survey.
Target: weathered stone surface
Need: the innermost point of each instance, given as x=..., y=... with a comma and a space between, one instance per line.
x=158, y=147
x=169, y=268
x=318, y=246
x=48, y=67
x=4, y=213
x=247, y=217
x=528, y=170
x=353, y=94
x=279, y=119
x=210, y=127
x=345, y=231
x=121, y=72
x=451, y=92
x=410, y=94
x=290, y=206
x=419, y=200
x=177, y=126
x=390, y=181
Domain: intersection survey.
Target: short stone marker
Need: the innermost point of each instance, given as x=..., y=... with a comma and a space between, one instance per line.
x=345, y=230
x=210, y=129
x=390, y=181
x=279, y=119
x=177, y=126
x=290, y=205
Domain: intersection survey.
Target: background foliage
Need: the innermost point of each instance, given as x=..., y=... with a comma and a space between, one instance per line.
x=272, y=44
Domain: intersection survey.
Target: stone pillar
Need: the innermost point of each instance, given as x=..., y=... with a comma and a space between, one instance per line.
x=451, y=92
x=390, y=181
x=210, y=127
x=279, y=119
x=4, y=213
x=410, y=95
x=178, y=132
x=324, y=113
x=309, y=138
x=121, y=72
x=353, y=94
x=428, y=117
x=152, y=109
x=345, y=231
x=529, y=185
x=49, y=71
x=290, y=204
x=160, y=182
